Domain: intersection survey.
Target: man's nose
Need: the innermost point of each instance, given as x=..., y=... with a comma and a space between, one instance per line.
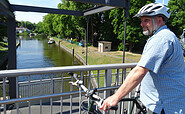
x=141, y=23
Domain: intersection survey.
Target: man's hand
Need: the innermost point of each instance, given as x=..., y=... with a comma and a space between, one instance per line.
x=132, y=80
x=110, y=101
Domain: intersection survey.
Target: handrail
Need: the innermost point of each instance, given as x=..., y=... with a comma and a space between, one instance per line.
x=43, y=89
x=21, y=72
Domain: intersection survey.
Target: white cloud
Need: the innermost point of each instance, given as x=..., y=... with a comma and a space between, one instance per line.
x=29, y=16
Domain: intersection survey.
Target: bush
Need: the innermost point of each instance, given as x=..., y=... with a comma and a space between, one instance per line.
x=3, y=44
x=74, y=40
x=120, y=47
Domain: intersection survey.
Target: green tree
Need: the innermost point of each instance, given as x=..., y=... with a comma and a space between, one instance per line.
x=47, y=24
x=177, y=19
x=39, y=28
x=66, y=25
x=27, y=24
x=102, y=25
x=134, y=38
x=3, y=27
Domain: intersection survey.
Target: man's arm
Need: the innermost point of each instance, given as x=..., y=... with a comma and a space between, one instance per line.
x=132, y=80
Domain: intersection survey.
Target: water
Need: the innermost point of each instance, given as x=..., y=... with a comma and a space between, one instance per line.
x=37, y=53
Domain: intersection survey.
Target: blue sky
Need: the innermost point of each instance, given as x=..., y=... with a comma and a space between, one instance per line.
x=36, y=17
x=31, y=16
x=161, y=1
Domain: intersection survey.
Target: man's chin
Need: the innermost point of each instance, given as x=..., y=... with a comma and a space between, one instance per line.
x=146, y=33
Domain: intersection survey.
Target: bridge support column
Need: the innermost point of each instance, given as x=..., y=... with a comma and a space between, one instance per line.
x=12, y=62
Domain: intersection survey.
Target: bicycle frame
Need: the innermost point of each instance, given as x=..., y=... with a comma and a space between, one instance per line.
x=91, y=109
x=134, y=100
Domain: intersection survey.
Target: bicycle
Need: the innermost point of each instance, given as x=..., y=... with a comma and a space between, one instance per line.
x=93, y=98
x=91, y=95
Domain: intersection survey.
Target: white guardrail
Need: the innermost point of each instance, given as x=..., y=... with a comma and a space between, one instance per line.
x=38, y=90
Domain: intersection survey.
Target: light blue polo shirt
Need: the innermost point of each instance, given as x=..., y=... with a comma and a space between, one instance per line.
x=164, y=85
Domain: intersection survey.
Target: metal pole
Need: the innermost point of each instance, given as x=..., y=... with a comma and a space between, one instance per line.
x=124, y=70
x=126, y=15
x=87, y=31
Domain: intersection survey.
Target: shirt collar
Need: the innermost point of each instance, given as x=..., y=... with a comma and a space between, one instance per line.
x=161, y=28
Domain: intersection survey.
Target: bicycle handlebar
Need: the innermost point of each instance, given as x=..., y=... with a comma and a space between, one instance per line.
x=89, y=94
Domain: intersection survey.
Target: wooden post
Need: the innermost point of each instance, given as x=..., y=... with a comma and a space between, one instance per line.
x=73, y=52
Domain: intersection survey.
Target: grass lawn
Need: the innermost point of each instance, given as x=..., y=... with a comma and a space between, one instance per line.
x=94, y=57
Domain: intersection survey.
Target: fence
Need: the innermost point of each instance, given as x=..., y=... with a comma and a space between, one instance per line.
x=49, y=86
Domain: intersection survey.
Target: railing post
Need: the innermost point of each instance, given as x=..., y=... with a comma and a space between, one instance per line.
x=107, y=83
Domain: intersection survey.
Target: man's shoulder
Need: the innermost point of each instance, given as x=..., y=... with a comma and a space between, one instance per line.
x=165, y=35
x=165, y=31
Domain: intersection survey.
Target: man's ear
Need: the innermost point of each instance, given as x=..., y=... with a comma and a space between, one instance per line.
x=160, y=20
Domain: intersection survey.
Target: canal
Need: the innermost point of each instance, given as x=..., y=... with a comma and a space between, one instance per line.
x=37, y=53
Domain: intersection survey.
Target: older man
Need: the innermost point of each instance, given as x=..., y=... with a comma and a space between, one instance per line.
x=161, y=69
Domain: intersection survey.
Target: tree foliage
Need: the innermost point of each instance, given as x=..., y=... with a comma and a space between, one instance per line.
x=134, y=37
x=3, y=27
x=177, y=19
x=65, y=25
x=26, y=24
x=47, y=24
x=39, y=28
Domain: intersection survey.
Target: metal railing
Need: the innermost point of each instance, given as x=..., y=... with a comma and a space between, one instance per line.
x=39, y=90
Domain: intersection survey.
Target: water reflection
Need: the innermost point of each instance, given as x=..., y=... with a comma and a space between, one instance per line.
x=37, y=53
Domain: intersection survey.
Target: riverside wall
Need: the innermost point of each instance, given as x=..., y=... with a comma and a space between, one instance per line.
x=82, y=60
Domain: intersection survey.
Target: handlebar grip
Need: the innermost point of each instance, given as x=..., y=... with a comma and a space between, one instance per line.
x=114, y=107
x=74, y=75
x=70, y=73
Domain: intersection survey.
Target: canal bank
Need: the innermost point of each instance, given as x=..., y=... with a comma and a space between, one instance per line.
x=94, y=57
x=72, y=52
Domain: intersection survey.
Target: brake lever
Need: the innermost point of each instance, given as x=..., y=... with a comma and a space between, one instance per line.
x=74, y=83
